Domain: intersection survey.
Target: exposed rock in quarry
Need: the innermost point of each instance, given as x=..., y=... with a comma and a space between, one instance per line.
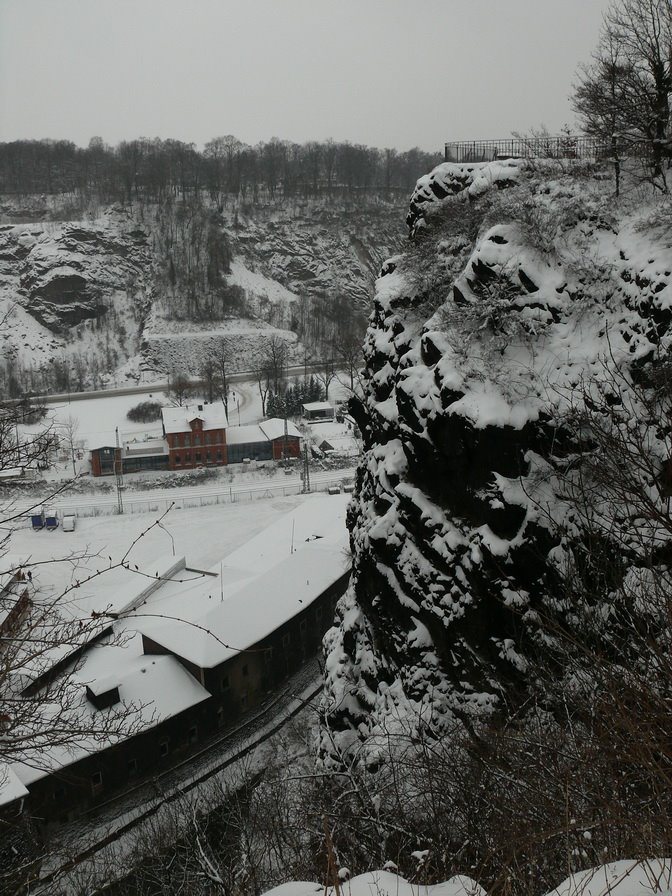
x=527, y=309
x=113, y=290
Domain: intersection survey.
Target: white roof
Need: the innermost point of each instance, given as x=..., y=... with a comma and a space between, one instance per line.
x=255, y=610
x=258, y=587
x=318, y=406
x=149, y=447
x=242, y=435
x=178, y=419
x=11, y=787
x=151, y=689
x=10, y=564
x=274, y=428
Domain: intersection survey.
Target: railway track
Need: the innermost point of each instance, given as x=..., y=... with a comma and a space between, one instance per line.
x=105, y=825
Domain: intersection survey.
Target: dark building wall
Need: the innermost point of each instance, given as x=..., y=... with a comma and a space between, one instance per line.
x=240, y=683
x=293, y=447
x=102, y=460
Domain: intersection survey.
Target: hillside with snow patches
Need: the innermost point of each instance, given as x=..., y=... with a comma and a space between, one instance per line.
x=89, y=288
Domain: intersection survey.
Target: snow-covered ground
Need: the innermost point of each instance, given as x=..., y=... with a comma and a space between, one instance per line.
x=203, y=535
x=635, y=877
x=94, y=421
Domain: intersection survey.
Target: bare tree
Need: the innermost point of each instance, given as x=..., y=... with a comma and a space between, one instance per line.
x=272, y=370
x=180, y=389
x=70, y=430
x=326, y=373
x=625, y=94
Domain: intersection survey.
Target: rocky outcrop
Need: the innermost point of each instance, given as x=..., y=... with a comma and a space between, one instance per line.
x=522, y=304
x=101, y=290
x=318, y=250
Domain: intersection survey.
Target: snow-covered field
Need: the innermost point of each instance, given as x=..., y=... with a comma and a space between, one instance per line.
x=94, y=421
x=203, y=535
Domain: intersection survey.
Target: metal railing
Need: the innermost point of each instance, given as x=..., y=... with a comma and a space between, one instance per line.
x=545, y=147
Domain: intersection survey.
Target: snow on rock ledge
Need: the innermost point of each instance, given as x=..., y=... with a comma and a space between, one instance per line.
x=507, y=309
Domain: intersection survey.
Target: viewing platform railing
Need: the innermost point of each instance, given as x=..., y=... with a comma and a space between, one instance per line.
x=563, y=147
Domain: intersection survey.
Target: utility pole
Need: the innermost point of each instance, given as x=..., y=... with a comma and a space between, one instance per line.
x=285, y=446
x=306, y=469
x=119, y=474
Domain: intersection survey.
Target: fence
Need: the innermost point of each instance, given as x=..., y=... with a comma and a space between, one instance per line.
x=564, y=147
x=232, y=495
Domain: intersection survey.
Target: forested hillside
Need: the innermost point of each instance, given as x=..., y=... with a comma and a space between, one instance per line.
x=116, y=263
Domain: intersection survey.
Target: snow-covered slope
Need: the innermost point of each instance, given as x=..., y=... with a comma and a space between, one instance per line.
x=95, y=292
x=526, y=298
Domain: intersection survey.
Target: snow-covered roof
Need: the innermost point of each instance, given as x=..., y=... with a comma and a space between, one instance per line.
x=10, y=564
x=258, y=587
x=257, y=608
x=242, y=435
x=274, y=428
x=11, y=787
x=145, y=448
x=151, y=689
x=178, y=419
x=318, y=406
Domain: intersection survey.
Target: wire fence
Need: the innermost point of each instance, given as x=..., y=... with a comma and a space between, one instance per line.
x=341, y=480
x=545, y=147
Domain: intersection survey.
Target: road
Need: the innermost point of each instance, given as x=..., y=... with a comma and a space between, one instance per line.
x=242, y=376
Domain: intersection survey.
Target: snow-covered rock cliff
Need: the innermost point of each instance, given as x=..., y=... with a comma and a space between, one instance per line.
x=527, y=299
x=106, y=291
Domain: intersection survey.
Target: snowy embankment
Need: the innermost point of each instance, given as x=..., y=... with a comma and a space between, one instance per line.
x=650, y=877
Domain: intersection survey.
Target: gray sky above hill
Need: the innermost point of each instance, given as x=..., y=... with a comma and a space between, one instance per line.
x=381, y=72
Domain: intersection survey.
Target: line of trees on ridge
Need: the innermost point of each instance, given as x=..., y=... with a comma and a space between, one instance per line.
x=155, y=168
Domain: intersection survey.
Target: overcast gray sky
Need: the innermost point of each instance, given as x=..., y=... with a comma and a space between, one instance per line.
x=381, y=72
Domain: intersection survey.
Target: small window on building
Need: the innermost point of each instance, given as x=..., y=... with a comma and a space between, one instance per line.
x=219, y=456
x=318, y=612
x=268, y=656
x=132, y=766
x=208, y=457
x=198, y=457
x=243, y=700
x=220, y=716
x=225, y=684
x=178, y=459
x=246, y=670
x=286, y=639
x=303, y=625
x=197, y=440
x=164, y=748
x=58, y=794
x=96, y=782
x=187, y=459
x=193, y=734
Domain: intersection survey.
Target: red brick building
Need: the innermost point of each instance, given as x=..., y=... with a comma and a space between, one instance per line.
x=196, y=435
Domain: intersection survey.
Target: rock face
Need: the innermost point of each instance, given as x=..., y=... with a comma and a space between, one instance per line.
x=521, y=303
x=66, y=278
x=320, y=250
x=99, y=289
